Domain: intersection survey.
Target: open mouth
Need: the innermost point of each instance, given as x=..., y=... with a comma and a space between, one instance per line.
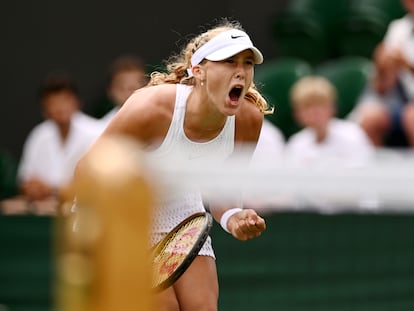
x=235, y=93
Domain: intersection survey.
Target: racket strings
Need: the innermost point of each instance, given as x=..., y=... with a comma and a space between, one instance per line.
x=175, y=250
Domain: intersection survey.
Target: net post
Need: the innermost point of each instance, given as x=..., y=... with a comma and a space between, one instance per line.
x=102, y=259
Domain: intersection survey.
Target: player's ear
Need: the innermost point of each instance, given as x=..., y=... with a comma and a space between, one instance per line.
x=198, y=72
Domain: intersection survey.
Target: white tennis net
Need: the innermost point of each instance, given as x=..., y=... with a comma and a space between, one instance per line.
x=386, y=184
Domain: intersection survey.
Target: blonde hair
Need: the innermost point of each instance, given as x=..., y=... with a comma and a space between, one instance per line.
x=177, y=65
x=312, y=88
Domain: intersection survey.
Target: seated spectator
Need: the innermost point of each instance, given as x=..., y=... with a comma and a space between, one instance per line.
x=270, y=146
x=53, y=147
x=386, y=109
x=325, y=139
x=126, y=74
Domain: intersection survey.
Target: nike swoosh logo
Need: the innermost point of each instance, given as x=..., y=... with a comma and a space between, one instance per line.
x=235, y=37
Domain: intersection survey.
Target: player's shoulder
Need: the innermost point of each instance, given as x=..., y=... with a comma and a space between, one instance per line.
x=152, y=101
x=157, y=94
x=250, y=113
x=249, y=120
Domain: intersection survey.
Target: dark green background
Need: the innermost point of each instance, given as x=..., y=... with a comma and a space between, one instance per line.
x=302, y=262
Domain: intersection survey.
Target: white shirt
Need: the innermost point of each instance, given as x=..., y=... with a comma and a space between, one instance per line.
x=400, y=35
x=108, y=117
x=91, y=124
x=346, y=145
x=45, y=157
x=270, y=146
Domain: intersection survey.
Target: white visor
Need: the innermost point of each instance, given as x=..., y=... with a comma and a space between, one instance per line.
x=225, y=45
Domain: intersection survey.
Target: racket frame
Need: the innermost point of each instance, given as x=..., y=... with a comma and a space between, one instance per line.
x=182, y=267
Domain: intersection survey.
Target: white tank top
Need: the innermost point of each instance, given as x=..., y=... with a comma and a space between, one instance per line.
x=177, y=146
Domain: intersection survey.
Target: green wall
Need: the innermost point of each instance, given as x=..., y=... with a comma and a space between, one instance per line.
x=301, y=262
x=320, y=262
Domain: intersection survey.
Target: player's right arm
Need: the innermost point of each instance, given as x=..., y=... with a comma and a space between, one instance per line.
x=145, y=116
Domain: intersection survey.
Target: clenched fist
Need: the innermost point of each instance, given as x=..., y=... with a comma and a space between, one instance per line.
x=246, y=224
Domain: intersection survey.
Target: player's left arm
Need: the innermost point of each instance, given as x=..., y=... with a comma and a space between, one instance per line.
x=243, y=223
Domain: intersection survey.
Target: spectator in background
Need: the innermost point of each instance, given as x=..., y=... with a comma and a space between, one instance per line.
x=325, y=139
x=270, y=146
x=126, y=74
x=386, y=109
x=54, y=146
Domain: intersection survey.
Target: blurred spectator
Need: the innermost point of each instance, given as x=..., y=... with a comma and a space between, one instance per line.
x=53, y=147
x=126, y=74
x=270, y=146
x=325, y=139
x=386, y=109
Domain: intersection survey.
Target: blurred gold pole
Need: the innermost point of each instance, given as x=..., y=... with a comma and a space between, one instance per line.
x=103, y=265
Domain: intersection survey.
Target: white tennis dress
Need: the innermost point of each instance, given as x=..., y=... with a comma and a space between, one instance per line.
x=177, y=146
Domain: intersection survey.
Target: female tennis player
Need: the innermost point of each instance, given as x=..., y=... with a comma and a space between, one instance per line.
x=204, y=106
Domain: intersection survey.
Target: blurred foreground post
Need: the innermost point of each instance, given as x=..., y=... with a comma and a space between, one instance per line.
x=103, y=264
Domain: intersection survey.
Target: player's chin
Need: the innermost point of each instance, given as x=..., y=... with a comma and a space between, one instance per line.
x=232, y=106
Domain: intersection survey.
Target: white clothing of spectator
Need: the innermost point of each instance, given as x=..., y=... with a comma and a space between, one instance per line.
x=270, y=146
x=324, y=139
x=345, y=144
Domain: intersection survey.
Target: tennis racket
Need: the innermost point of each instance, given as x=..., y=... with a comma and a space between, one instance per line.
x=174, y=254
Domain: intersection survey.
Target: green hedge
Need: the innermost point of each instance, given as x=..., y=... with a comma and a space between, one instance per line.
x=319, y=262
x=303, y=261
